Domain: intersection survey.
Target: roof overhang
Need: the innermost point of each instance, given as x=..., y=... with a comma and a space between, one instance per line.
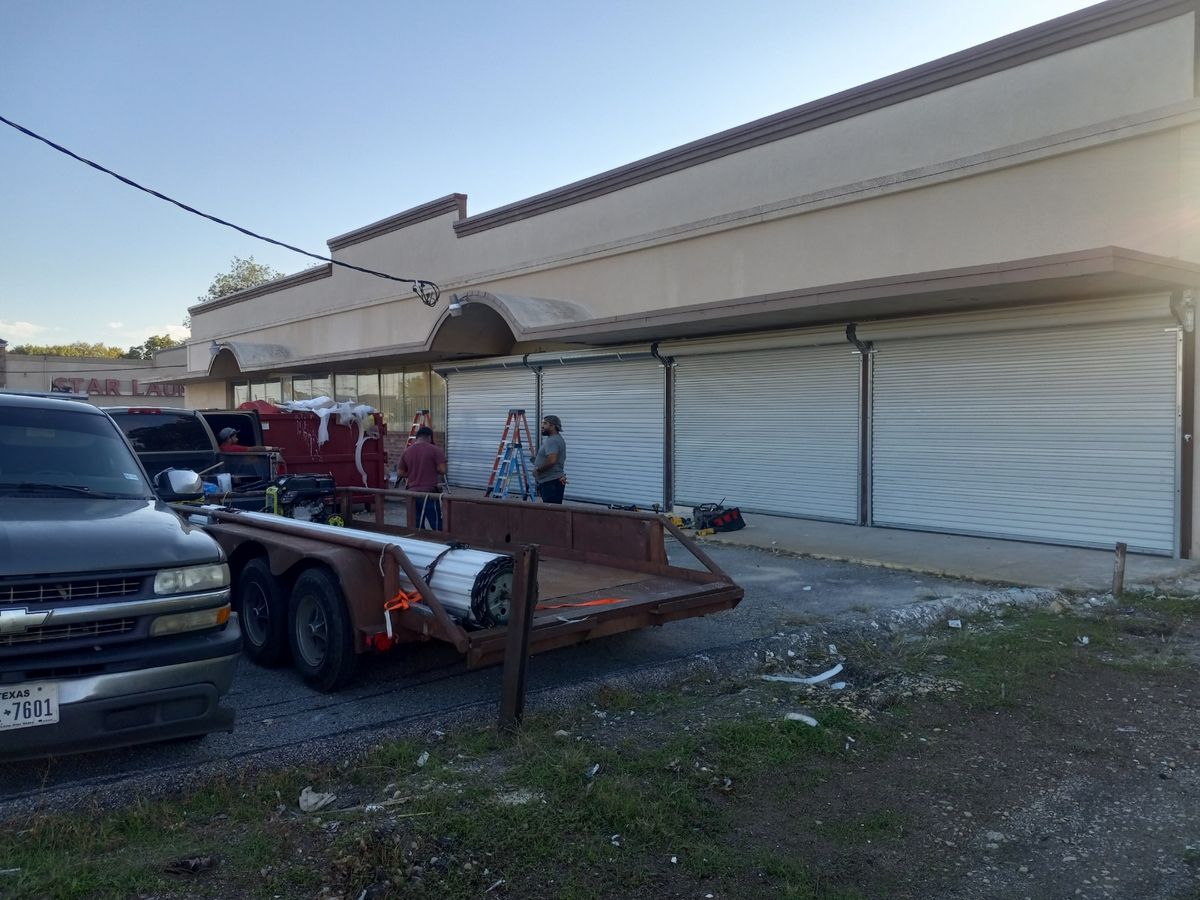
x=1097, y=273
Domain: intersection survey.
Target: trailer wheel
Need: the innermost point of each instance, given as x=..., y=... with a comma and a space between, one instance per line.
x=262, y=611
x=320, y=632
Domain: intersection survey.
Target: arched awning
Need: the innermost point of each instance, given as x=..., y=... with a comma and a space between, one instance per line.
x=235, y=357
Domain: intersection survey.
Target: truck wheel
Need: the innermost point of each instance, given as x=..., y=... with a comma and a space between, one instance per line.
x=262, y=612
x=319, y=631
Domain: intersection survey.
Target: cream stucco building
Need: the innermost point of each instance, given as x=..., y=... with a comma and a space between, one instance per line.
x=959, y=298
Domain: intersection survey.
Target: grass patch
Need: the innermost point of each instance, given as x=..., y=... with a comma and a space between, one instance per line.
x=535, y=811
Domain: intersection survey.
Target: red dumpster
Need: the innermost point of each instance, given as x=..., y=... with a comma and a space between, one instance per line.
x=296, y=434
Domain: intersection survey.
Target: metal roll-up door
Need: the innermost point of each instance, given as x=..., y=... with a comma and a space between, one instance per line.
x=770, y=431
x=613, y=422
x=477, y=405
x=1065, y=435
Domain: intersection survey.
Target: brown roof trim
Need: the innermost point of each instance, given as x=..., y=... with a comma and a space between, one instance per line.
x=1073, y=30
x=451, y=203
x=279, y=284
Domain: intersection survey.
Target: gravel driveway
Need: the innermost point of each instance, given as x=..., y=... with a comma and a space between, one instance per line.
x=280, y=720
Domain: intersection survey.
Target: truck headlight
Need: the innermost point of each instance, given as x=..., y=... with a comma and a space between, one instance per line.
x=193, y=578
x=190, y=621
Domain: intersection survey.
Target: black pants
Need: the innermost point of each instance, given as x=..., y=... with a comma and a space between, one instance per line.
x=551, y=491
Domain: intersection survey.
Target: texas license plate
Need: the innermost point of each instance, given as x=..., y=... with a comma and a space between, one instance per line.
x=26, y=705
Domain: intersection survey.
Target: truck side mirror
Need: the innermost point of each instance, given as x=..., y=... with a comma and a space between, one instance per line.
x=178, y=484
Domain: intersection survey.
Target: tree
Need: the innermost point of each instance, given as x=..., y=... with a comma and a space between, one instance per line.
x=79, y=348
x=242, y=274
x=150, y=346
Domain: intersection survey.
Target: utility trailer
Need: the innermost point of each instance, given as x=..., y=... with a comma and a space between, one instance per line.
x=324, y=596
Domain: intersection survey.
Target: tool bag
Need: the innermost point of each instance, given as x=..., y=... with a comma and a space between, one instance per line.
x=717, y=517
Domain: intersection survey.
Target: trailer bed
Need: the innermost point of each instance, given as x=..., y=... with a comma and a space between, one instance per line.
x=595, y=572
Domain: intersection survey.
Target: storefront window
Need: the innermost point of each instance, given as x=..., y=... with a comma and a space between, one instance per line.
x=368, y=388
x=241, y=393
x=346, y=388
x=404, y=393
x=321, y=386
x=271, y=391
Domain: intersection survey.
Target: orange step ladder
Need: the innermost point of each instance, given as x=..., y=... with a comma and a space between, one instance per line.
x=422, y=419
x=513, y=457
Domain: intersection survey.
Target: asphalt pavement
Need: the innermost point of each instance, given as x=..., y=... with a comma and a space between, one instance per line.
x=419, y=688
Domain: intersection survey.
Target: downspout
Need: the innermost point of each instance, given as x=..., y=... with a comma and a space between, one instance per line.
x=1183, y=307
x=668, y=365
x=866, y=351
x=537, y=399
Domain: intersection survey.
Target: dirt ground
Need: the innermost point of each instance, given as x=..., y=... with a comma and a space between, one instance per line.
x=1092, y=790
x=1006, y=758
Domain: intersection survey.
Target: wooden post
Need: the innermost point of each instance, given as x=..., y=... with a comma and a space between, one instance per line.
x=516, y=649
x=1118, y=588
x=347, y=507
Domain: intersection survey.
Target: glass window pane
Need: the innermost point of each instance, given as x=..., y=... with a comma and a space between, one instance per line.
x=285, y=390
x=301, y=387
x=272, y=392
x=322, y=386
x=346, y=388
x=241, y=393
x=368, y=388
x=391, y=398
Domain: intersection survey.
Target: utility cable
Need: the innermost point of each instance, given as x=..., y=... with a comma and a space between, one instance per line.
x=426, y=290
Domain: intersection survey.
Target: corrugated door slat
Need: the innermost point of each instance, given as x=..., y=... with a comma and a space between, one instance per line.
x=612, y=415
x=477, y=404
x=770, y=431
x=1066, y=436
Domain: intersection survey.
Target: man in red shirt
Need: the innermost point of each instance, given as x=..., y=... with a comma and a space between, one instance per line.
x=423, y=464
x=231, y=442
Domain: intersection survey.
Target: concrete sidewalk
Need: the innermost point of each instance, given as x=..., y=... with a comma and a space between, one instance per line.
x=955, y=556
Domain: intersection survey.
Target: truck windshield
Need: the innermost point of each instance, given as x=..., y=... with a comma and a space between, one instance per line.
x=54, y=452
x=159, y=431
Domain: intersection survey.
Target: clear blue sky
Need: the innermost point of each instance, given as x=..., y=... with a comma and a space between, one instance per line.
x=303, y=120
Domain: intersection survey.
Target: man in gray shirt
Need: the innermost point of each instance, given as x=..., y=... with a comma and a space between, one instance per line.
x=550, y=460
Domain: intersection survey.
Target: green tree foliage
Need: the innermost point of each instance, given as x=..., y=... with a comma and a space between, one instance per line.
x=242, y=274
x=150, y=346
x=144, y=350
x=79, y=348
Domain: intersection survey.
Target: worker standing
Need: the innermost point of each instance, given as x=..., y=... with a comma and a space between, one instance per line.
x=550, y=462
x=423, y=465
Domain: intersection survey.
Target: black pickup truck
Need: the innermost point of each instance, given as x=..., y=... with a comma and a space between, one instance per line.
x=115, y=623
x=187, y=439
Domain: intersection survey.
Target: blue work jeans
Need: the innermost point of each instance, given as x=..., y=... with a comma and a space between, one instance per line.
x=429, y=512
x=551, y=491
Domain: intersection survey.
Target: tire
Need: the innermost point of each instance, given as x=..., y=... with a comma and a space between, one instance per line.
x=262, y=613
x=320, y=632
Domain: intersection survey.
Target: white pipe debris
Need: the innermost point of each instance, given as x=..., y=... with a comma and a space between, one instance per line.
x=473, y=585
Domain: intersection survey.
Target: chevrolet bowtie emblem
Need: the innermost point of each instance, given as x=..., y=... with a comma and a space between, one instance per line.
x=18, y=621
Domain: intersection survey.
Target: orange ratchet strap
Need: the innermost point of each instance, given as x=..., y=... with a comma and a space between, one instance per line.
x=403, y=600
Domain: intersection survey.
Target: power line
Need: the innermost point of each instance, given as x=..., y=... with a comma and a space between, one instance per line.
x=426, y=290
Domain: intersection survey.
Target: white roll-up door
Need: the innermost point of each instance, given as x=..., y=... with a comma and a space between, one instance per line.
x=613, y=422
x=1065, y=435
x=477, y=405
x=770, y=431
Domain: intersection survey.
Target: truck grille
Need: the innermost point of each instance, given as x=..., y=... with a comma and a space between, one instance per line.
x=73, y=631
x=90, y=589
